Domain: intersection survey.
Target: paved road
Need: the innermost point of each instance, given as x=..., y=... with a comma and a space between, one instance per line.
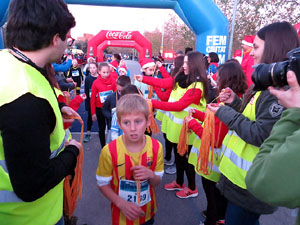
x=94, y=209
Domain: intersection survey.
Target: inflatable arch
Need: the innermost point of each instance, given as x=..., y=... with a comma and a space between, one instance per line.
x=203, y=17
x=125, y=39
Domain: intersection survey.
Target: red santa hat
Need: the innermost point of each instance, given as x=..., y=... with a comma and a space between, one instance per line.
x=145, y=63
x=114, y=64
x=237, y=52
x=123, y=68
x=248, y=40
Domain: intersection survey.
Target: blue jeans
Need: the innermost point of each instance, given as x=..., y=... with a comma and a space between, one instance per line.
x=236, y=215
x=61, y=221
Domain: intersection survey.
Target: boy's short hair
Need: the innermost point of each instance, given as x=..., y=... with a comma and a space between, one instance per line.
x=32, y=24
x=93, y=63
x=132, y=103
x=130, y=89
x=101, y=65
x=123, y=81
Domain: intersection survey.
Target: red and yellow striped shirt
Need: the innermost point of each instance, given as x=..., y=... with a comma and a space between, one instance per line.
x=115, y=164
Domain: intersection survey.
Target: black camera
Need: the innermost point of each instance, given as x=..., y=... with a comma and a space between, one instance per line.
x=274, y=74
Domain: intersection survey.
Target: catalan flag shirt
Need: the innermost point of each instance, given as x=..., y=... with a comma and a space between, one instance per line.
x=114, y=165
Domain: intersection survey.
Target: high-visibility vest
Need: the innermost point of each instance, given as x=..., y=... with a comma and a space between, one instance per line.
x=162, y=115
x=150, y=209
x=193, y=158
x=175, y=119
x=239, y=155
x=17, y=79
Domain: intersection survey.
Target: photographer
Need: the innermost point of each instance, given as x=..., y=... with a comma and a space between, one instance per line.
x=273, y=176
x=250, y=126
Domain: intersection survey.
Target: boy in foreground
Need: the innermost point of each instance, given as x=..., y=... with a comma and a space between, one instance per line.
x=131, y=166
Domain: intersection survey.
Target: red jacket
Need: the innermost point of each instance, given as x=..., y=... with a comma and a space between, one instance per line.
x=247, y=64
x=114, y=75
x=158, y=83
x=74, y=104
x=191, y=96
x=101, y=88
x=220, y=128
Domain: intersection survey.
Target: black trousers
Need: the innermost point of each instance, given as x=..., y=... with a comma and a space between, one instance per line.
x=101, y=125
x=169, y=148
x=216, y=203
x=182, y=166
x=89, y=121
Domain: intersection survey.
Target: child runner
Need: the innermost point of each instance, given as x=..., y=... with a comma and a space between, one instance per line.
x=89, y=80
x=113, y=67
x=76, y=74
x=101, y=88
x=123, y=71
x=116, y=131
x=148, y=68
x=109, y=106
x=131, y=165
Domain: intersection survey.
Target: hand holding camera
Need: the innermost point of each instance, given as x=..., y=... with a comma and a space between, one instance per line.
x=291, y=97
x=275, y=74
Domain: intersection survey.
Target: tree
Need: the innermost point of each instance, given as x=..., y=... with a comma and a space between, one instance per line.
x=177, y=35
x=155, y=38
x=252, y=15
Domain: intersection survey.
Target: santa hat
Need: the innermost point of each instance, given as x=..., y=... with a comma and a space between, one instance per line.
x=145, y=63
x=248, y=40
x=237, y=52
x=114, y=64
x=123, y=68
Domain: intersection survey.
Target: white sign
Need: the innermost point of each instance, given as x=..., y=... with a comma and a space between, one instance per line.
x=217, y=44
x=119, y=35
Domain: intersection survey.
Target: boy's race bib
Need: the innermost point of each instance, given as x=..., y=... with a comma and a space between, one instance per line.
x=75, y=73
x=103, y=95
x=128, y=191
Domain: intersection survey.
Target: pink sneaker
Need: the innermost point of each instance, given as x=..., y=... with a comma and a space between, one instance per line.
x=173, y=186
x=187, y=193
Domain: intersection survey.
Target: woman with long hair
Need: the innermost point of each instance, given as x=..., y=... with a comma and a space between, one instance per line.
x=250, y=122
x=190, y=90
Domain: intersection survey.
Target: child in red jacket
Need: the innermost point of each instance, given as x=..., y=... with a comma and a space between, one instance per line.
x=101, y=88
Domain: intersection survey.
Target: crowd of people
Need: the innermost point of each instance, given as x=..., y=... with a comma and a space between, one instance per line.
x=250, y=133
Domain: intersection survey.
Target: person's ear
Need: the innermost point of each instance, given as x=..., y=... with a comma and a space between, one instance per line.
x=119, y=123
x=55, y=40
x=149, y=120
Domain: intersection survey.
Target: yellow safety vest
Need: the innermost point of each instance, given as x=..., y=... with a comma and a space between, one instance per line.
x=17, y=79
x=239, y=155
x=193, y=158
x=175, y=119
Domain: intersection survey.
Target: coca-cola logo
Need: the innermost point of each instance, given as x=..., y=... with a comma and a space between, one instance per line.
x=119, y=35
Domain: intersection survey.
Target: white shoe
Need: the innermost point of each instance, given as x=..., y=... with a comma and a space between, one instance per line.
x=171, y=170
x=169, y=163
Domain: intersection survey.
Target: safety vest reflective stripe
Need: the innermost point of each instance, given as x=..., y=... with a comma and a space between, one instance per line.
x=62, y=145
x=236, y=160
x=3, y=165
x=196, y=151
x=9, y=196
x=175, y=119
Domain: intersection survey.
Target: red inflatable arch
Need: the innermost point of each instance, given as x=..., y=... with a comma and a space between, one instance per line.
x=125, y=39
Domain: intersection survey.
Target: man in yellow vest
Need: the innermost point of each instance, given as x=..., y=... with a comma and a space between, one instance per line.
x=34, y=153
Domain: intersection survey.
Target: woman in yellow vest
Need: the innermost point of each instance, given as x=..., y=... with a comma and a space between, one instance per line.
x=250, y=123
x=190, y=91
x=230, y=74
x=34, y=155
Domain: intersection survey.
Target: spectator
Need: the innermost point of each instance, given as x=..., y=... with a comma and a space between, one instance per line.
x=35, y=157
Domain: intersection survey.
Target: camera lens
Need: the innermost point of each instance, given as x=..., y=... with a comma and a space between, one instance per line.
x=279, y=73
x=261, y=77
